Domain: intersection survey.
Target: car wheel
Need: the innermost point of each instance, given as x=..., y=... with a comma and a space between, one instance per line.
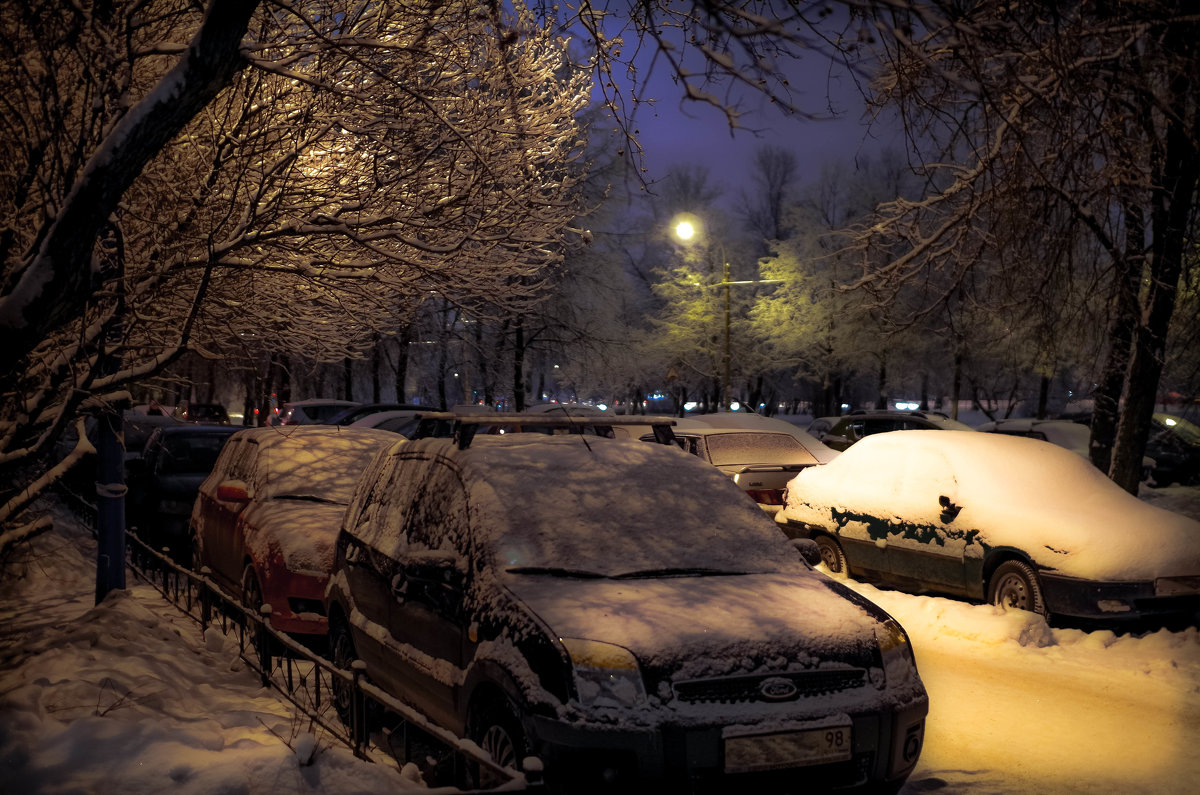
x=1015, y=584
x=341, y=650
x=251, y=591
x=495, y=727
x=832, y=556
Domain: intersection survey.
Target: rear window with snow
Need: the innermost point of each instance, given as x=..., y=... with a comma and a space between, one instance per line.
x=322, y=467
x=756, y=448
x=613, y=507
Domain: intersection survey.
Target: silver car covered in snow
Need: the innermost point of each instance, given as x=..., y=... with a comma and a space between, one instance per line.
x=621, y=612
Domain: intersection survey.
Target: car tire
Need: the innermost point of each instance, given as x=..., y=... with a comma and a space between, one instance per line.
x=343, y=654
x=495, y=727
x=832, y=556
x=1014, y=584
x=252, y=596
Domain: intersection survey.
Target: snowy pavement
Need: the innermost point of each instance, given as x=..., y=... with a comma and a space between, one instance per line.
x=130, y=697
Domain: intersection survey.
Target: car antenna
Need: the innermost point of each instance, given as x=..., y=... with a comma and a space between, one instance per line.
x=582, y=435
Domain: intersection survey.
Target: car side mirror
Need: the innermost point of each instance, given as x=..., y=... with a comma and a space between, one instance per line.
x=949, y=509
x=808, y=549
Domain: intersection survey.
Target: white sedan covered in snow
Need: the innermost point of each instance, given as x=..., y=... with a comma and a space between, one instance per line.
x=1011, y=520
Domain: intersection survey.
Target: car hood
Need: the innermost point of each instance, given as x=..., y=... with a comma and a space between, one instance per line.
x=699, y=627
x=302, y=533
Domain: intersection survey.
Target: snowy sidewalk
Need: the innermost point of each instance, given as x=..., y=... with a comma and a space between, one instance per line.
x=129, y=697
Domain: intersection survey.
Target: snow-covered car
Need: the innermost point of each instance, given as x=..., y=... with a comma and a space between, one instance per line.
x=401, y=421
x=760, y=458
x=1071, y=435
x=164, y=480
x=860, y=424
x=621, y=612
x=313, y=411
x=1006, y=519
x=265, y=520
x=353, y=414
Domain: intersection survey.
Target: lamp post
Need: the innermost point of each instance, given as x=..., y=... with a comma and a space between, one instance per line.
x=686, y=228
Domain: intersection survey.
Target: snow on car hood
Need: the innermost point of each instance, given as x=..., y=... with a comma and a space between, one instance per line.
x=699, y=627
x=302, y=532
x=1023, y=493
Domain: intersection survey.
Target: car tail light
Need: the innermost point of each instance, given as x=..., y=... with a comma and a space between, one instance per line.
x=766, y=496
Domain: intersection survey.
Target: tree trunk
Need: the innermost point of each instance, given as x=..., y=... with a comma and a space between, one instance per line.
x=1043, y=397
x=402, y=344
x=1126, y=281
x=518, y=371
x=1172, y=207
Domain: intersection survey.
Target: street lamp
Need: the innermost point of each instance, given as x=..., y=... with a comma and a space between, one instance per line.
x=686, y=227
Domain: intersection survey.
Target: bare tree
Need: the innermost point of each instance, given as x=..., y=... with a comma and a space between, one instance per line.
x=1081, y=122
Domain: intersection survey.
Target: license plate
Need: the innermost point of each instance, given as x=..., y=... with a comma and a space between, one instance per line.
x=753, y=753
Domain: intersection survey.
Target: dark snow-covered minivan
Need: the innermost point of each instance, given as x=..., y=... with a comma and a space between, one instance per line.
x=621, y=611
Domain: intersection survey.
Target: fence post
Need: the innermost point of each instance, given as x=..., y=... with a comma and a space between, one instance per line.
x=534, y=773
x=263, y=641
x=358, y=709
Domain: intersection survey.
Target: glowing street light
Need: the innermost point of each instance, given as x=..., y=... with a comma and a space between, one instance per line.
x=687, y=227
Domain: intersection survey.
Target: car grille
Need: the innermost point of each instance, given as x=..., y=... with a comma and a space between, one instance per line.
x=769, y=687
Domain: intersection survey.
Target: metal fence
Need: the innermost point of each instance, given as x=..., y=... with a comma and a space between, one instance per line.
x=378, y=728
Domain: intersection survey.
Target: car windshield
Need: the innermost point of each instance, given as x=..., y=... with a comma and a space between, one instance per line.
x=756, y=448
x=622, y=508
x=317, y=468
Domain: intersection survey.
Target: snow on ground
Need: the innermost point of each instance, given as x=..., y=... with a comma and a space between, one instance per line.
x=130, y=697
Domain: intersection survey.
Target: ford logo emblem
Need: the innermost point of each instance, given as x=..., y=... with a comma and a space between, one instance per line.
x=777, y=689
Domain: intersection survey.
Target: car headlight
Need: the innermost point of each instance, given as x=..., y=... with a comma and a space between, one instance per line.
x=606, y=675
x=895, y=652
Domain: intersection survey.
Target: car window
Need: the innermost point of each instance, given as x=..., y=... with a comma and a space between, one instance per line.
x=415, y=506
x=882, y=425
x=323, y=468
x=756, y=448
x=236, y=461
x=184, y=454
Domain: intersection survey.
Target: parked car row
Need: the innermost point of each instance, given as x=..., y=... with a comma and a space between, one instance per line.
x=552, y=585
x=619, y=609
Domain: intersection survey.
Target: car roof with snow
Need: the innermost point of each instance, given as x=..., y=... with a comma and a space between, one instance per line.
x=569, y=501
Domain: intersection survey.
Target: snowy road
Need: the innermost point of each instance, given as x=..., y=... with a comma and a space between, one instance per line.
x=1018, y=707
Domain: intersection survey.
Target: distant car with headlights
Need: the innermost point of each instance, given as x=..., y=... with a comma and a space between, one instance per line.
x=760, y=457
x=265, y=519
x=997, y=518
x=620, y=611
x=313, y=411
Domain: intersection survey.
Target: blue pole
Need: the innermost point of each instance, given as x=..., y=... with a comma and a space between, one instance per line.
x=110, y=504
x=110, y=451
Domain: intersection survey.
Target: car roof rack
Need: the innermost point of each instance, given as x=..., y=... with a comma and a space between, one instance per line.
x=463, y=427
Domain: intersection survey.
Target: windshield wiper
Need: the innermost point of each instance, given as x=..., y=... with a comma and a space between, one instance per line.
x=695, y=572
x=552, y=571
x=307, y=498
